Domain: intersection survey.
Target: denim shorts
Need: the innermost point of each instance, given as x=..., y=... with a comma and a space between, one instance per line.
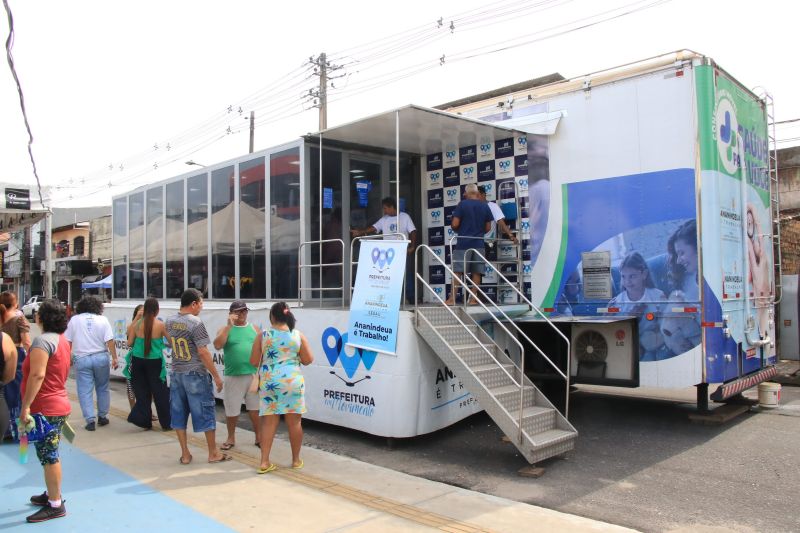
x=474, y=264
x=192, y=393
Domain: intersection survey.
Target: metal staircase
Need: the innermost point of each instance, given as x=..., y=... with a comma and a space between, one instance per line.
x=523, y=413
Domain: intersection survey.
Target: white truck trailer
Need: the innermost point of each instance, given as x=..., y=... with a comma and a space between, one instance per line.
x=644, y=199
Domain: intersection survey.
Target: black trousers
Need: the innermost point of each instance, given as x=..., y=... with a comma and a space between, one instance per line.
x=4, y=416
x=147, y=386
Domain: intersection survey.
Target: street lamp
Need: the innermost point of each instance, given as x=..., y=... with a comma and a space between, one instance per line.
x=191, y=162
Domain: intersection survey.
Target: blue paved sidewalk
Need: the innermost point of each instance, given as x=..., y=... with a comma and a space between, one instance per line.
x=99, y=498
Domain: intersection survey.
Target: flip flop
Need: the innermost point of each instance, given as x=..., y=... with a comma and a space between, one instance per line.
x=184, y=463
x=225, y=457
x=270, y=468
x=298, y=466
x=226, y=446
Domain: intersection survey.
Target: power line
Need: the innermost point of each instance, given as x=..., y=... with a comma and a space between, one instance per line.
x=10, y=58
x=274, y=98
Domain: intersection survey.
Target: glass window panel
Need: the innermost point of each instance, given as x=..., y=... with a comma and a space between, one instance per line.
x=331, y=222
x=155, y=242
x=223, y=257
x=284, y=171
x=252, y=254
x=365, y=193
x=120, y=216
x=175, y=236
x=77, y=246
x=136, y=236
x=197, y=219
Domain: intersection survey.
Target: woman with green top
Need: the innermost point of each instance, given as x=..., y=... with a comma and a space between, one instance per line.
x=235, y=340
x=148, y=369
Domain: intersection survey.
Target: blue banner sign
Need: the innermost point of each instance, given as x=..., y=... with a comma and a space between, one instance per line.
x=375, y=309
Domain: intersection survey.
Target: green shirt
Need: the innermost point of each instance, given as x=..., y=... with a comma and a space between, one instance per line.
x=156, y=348
x=237, y=350
x=156, y=352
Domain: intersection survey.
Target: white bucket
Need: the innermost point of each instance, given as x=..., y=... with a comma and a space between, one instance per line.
x=769, y=394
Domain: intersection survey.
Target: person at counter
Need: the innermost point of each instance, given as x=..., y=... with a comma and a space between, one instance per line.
x=388, y=225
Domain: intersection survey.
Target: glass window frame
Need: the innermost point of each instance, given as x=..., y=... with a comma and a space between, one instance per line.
x=132, y=203
x=182, y=184
x=253, y=162
x=123, y=253
x=161, y=187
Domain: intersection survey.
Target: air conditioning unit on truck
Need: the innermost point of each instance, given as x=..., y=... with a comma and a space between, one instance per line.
x=650, y=201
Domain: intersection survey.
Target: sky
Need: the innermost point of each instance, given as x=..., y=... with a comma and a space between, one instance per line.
x=121, y=94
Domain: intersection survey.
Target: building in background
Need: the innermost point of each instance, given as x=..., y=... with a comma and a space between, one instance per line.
x=73, y=248
x=789, y=184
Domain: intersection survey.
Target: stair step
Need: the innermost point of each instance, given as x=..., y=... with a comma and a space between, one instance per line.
x=508, y=396
x=552, y=436
x=536, y=420
x=474, y=354
x=438, y=316
x=510, y=388
x=493, y=375
x=458, y=334
x=492, y=366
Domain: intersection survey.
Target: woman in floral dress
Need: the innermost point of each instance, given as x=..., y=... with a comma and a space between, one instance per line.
x=278, y=354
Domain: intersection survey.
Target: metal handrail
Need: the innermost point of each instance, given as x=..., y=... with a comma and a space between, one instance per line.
x=354, y=262
x=301, y=266
x=497, y=240
x=519, y=330
x=521, y=380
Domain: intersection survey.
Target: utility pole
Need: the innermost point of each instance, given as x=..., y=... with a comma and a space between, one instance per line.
x=322, y=68
x=323, y=92
x=252, y=130
x=47, y=279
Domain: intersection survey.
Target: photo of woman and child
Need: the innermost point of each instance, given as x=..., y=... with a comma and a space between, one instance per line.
x=650, y=289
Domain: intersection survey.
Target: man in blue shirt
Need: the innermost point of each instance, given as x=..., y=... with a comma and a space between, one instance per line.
x=472, y=219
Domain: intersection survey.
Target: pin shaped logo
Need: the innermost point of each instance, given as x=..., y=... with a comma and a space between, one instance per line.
x=381, y=259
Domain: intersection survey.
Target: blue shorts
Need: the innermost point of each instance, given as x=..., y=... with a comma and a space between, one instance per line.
x=474, y=264
x=192, y=392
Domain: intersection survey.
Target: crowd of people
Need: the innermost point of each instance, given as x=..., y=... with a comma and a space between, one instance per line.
x=262, y=372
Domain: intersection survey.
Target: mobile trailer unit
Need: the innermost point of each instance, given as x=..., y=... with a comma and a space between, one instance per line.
x=652, y=200
x=596, y=169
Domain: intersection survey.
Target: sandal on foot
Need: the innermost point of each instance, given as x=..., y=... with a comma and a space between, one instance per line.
x=225, y=457
x=181, y=461
x=298, y=466
x=227, y=446
x=270, y=468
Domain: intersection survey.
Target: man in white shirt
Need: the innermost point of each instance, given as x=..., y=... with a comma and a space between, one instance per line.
x=388, y=225
x=92, y=342
x=498, y=222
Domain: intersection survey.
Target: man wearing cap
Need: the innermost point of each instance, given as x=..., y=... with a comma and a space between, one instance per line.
x=236, y=340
